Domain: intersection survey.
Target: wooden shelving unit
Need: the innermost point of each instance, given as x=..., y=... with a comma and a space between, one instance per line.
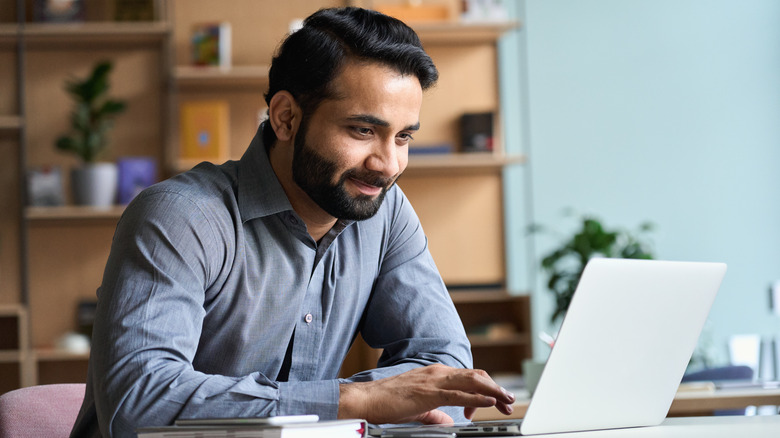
x=95, y=33
x=15, y=357
x=58, y=366
x=72, y=212
x=463, y=33
x=63, y=249
x=499, y=328
x=437, y=185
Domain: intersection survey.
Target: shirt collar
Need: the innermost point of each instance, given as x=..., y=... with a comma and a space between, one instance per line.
x=259, y=191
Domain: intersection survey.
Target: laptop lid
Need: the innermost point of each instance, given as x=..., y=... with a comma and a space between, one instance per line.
x=624, y=345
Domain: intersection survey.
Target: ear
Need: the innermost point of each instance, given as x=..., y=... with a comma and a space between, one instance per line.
x=284, y=114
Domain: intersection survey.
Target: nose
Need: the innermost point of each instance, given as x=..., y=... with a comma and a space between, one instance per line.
x=384, y=158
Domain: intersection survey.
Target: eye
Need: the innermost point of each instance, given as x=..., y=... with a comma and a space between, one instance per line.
x=404, y=138
x=362, y=130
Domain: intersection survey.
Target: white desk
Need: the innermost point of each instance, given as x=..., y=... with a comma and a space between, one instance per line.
x=686, y=403
x=692, y=427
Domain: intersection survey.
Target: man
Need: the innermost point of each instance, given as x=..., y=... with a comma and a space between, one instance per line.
x=237, y=290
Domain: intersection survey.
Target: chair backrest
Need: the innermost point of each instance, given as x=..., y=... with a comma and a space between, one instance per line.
x=40, y=411
x=730, y=372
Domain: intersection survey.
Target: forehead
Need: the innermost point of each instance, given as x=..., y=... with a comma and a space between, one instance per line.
x=375, y=89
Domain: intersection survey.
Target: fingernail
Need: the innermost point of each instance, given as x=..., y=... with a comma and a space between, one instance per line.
x=508, y=394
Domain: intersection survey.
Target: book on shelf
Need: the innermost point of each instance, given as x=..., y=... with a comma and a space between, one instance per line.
x=204, y=130
x=247, y=428
x=431, y=149
x=135, y=174
x=211, y=44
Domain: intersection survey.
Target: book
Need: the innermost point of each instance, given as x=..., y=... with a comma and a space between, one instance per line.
x=238, y=428
x=204, y=130
x=211, y=44
x=431, y=149
x=135, y=174
x=278, y=420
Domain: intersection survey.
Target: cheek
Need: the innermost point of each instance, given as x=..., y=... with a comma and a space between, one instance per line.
x=403, y=158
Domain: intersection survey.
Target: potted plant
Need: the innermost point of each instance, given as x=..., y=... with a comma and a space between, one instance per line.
x=565, y=264
x=93, y=183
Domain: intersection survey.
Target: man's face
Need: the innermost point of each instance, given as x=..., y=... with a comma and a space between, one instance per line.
x=352, y=149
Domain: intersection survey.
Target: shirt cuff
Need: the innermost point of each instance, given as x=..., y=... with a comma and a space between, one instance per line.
x=319, y=397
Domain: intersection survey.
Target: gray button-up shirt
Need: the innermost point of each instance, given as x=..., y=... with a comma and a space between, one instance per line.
x=211, y=277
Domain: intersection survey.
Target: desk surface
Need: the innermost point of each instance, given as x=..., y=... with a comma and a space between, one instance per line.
x=692, y=427
x=685, y=403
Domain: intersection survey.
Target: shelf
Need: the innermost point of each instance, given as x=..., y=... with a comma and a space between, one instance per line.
x=73, y=212
x=244, y=75
x=478, y=341
x=11, y=356
x=96, y=33
x=463, y=33
x=58, y=355
x=11, y=309
x=462, y=161
x=427, y=163
x=10, y=123
x=483, y=296
x=9, y=33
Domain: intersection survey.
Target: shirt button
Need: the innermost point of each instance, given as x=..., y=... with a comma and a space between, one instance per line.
x=308, y=318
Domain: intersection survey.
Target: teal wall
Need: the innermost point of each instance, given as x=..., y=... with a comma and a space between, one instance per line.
x=664, y=110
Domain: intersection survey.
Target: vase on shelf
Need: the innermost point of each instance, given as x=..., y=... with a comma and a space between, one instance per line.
x=95, y=184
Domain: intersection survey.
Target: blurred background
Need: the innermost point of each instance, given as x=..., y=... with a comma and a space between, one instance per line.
x=658, y=120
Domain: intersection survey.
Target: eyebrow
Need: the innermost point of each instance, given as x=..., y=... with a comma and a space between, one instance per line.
x=373, y=120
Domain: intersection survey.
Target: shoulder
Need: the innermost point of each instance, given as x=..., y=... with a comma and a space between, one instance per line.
x=204, y=194
x=396, y=220
x=396, y=205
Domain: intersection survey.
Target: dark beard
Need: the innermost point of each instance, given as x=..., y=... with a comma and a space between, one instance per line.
x=313, y=173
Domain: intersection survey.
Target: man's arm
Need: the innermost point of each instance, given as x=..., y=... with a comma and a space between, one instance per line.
x=166, y=253
x=426, y=354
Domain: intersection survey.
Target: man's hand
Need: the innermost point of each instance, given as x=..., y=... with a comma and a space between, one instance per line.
x=415, y=396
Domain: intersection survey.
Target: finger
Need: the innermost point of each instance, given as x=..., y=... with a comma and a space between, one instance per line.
x=469, y=412
x=479, y=382
x=466, y=399
x=435, y=416
x=504, y=408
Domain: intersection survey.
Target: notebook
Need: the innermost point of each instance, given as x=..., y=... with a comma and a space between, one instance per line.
x=621, y=352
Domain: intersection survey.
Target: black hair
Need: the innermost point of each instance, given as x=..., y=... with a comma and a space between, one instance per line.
x=310, y=58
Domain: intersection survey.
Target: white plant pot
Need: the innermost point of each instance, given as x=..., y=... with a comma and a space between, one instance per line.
x=94, y=184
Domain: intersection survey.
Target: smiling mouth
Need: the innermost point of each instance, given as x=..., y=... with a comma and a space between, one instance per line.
x=365, y=188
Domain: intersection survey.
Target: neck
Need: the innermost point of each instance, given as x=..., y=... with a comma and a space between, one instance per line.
x=317, y=221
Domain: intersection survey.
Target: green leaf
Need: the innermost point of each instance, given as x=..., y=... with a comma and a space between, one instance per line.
x=566, y=263
x=111, y=107
x=92, y=113
x=67, y=144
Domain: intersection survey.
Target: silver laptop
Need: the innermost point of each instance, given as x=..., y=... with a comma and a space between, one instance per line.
x=621, y=351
